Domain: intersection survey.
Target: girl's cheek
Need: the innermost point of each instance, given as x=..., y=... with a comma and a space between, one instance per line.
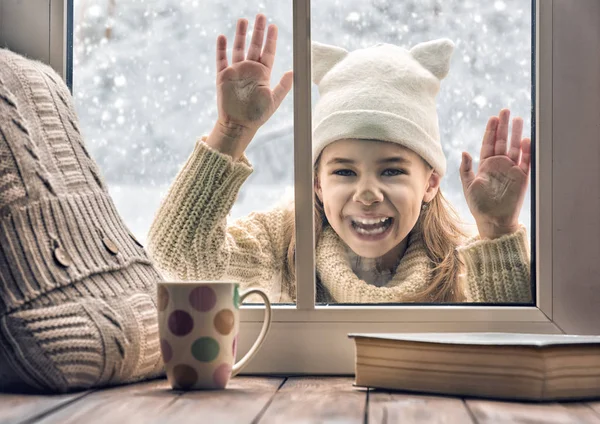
x=398, y=197
x=335, y=191
x=400, y=191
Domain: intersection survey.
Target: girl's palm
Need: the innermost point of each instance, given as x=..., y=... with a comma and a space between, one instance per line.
x=496, y=193
x=244, y=96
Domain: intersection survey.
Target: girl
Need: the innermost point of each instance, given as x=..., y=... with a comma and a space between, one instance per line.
x=384, y=231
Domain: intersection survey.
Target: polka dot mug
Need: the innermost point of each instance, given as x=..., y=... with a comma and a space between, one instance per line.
x=199, y=323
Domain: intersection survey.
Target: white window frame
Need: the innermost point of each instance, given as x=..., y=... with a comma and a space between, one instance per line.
x=313, y=339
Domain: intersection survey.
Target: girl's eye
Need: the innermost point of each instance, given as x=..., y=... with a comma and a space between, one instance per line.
x=394, y=172
x=343, y=172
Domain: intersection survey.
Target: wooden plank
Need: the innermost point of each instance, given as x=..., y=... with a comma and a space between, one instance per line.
x=395, y=407
x=241, y=402
x=595, y=406
x=16, y=408
x=530, y=413
x=300, y=399
x=317, y=399
x=133, y=403
x=579, y=407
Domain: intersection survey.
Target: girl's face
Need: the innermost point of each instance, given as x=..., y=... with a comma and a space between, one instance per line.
x=372, y=193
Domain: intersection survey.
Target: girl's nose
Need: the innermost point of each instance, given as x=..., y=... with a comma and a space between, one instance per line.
x=368, y=195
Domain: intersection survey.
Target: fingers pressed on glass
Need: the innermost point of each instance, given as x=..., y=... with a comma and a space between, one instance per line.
x=221, y=53
x=526, y=157
x=502, y=133
x=268, y=55
x=258, y=35
x=239, y=43
x=515, y=139
x=487, y=146
x=284, y=86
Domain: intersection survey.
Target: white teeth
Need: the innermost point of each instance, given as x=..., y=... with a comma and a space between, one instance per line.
x=370, y=232
x=369, y=221
x=382, y=224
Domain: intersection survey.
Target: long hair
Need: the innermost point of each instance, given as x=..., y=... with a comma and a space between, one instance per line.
x=442, y=233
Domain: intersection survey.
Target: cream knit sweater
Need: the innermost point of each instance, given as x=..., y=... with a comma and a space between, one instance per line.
x=190, y=239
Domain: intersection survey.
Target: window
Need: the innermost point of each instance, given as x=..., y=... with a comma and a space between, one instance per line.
x=144, y=89
x=305, y=338
x=141, y=101
x=490, y=69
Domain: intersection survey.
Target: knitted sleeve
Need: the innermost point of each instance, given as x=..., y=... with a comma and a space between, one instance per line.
x=497, y=271
x=190, y=238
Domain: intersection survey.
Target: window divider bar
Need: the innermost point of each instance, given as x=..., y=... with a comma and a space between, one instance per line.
x=303, y=172
x=57, y=35
x=543, y=156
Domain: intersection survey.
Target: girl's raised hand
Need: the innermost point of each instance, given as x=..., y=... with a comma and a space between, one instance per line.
x=495, y=194
x=244, y=97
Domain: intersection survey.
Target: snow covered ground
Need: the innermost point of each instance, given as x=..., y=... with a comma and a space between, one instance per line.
x=144, y=84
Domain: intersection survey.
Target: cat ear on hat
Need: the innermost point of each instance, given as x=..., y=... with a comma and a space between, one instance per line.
x=434, y=55
x=324, y=57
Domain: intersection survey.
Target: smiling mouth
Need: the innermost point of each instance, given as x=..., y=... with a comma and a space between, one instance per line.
x=371, y=226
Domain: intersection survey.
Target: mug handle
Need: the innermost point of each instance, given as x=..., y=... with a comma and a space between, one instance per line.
x=263, y=332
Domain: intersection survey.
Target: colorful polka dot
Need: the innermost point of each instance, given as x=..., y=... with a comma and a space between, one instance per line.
x=184, y=376
x=203, y=299
x=221, y=375
x=167, y=352
x=236, y=297
x=205, y=349
x=163, y=298
x=224, y=321
x=180, y=323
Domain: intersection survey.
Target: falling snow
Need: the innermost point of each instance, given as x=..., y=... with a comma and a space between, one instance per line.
x=480, y=101
x=500, y=6
x=353, y=17
x=120, y=81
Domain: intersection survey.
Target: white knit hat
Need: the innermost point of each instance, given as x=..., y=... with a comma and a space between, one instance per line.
x=383, y=92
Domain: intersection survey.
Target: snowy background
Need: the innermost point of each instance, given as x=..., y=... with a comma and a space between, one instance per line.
x=144, y=84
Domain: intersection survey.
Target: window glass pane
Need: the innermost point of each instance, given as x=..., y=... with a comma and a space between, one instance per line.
x=145, y=90
x=376, y=71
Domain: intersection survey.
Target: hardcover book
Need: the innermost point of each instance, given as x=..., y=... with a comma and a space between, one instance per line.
x=493, y=365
